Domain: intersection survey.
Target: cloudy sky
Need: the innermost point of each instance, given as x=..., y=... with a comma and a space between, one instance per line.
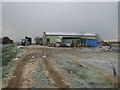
x=32, y=18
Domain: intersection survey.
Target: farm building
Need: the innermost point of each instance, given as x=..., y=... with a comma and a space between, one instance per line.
x=67, y=39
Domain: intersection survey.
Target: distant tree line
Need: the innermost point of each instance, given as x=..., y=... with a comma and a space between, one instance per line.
x=6, y=40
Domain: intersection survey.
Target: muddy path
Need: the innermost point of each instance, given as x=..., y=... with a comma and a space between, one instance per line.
x=18, y=77
x=16, y=80
x=58, y=79
x=21, y=75
x=53, y=73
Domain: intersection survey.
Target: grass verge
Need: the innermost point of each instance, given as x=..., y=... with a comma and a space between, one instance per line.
x=9, y=51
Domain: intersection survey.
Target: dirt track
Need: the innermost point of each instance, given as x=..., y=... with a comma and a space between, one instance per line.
x=21, y=75
x=18, y=80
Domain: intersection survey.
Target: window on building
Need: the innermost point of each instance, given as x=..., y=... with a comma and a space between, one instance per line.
x=48, y=39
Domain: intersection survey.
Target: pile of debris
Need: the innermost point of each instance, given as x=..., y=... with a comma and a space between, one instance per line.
x=110, y=49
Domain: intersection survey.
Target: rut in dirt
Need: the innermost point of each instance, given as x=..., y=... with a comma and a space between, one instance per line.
x=55, y=75
x=18, y=71
x=20, y=65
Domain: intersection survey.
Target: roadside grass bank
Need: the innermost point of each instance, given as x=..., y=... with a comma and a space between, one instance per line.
x=9, y=52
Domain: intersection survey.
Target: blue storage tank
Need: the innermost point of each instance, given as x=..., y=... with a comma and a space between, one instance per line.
x=89, y=42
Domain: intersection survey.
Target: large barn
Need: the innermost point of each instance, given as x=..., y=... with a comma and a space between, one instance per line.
x=52, y=37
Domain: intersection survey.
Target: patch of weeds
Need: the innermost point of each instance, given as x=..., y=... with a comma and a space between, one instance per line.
x=5, y=71
x=80, y=76
x=77, y=74
x=9, y=51
x=1, y=74
x=82, y=72
x=72, y=68
x=39, y=78
x=7, y=57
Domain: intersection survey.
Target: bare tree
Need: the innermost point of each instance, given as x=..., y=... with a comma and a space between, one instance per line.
x=82, y=32
x=98, y=37
x=38, y=40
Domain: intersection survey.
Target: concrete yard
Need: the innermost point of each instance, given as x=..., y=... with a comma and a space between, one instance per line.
x=64, y=67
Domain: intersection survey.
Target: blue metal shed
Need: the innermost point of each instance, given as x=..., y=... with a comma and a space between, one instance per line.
x=89, y=42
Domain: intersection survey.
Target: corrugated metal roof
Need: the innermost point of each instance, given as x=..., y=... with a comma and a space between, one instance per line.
x=61, y=33
x=111, y=40
x=88, y=34
x=68, y=33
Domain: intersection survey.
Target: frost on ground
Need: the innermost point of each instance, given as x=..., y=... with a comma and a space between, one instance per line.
x=104, y=61
x=81, y=76
x=39, y=79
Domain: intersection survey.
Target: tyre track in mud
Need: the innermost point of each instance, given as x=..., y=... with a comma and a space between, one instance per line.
x=55, y=75
x=18, y=71
x=24, y=60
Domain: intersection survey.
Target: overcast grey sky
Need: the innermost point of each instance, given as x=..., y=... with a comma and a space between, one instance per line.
x=32, y=19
